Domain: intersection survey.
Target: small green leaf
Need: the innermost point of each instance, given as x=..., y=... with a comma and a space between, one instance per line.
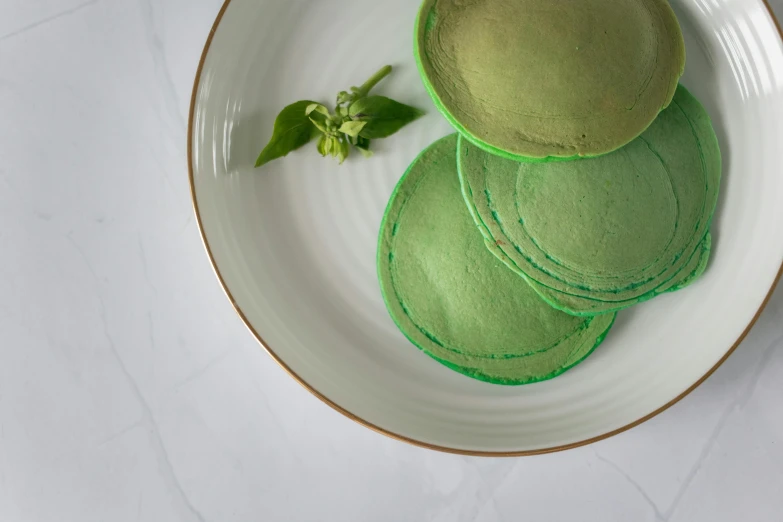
x=320, y=125
x=321, y=118
x=363, y=144
x=335, y=147
x=322, y=145
x=293, y=129
x=328, y=144
x=352, y=128
x=344, y=150
x=383, y=115
x=365, y=152
x=316, y=107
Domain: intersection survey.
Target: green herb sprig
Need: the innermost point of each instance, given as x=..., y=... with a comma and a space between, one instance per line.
x=358, y=119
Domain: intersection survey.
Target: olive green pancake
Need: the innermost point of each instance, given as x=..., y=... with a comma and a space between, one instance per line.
x=537, y=80
x=602, y=234
x=455, y=300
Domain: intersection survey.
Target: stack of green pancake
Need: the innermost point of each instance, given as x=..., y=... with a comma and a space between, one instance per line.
x=582, y=181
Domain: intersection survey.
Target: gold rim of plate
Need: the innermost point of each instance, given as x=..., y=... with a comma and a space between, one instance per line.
x=370, y=425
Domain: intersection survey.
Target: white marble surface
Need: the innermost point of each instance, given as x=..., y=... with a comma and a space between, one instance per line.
x=129, y=389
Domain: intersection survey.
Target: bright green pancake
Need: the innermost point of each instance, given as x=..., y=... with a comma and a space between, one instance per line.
x=537, y=80
x=602, y=234
x=459, y=303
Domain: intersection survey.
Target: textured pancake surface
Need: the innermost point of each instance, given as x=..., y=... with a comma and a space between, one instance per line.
x=538, y=80
x=455, y=300
x=602, y=234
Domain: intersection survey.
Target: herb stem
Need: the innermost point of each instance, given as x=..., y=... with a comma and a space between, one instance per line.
x=376, y=78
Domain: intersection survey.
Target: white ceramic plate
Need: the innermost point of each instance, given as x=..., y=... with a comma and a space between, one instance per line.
x=294, y=243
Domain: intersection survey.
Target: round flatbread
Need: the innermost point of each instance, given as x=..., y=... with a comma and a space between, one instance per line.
x=536, y=80
x=602, y=234
x=455, y=300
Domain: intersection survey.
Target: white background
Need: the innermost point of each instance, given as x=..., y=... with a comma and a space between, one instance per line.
x=130, y=390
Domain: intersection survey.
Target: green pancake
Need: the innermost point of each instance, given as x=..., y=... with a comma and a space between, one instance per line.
x=536, y=80
x=599, y=235
x=455, y=300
